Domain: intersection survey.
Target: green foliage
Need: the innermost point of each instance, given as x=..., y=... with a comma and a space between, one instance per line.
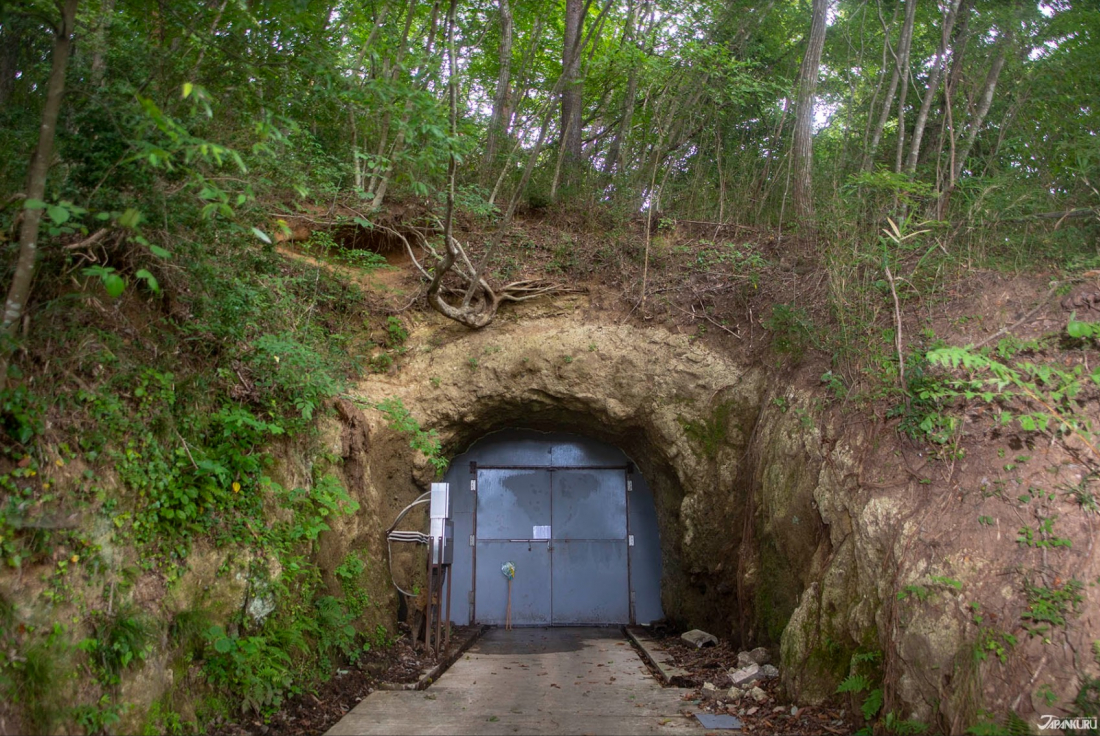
x=854, y=684
x=866, y=680
x=427, y=443
x=120, y=641
x=20, y=416
x=102, y=717
x=349, y=573
x=1046, y=391
x=254, y=668
x=396, y=334
x=793, y=330
x=364, y=260
x=992, y=641
x=39, y=680
x=1049, y=606
x=162, y=719
x=1043, y=537
x=294, y=373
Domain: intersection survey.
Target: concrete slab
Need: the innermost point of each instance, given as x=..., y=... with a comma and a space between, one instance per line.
x=532, y=681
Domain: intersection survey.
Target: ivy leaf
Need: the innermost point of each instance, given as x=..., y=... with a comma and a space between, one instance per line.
x=58, y=214
x=34, y=204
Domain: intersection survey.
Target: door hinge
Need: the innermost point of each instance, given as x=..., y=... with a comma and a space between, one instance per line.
x=633, y=598
x=629, y=486
x=472, y=539
x=470, y=597
x=630, y=540
x=473, y=486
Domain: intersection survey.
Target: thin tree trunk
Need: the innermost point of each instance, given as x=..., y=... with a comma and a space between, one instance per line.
x=615, y=150
x=879, y=84
x=571, y=94
x=20, y=289
x=958, y=159
x=985, y=102
x=99, y=44
x=933, y=84
x=393, y=67
x=11, y=40
x=900, y=71
x=802, y=146
x=500, y=114
x=357, y=69
x=399, y=141
x=213, y=30
x=903, y=69
x=519, y=90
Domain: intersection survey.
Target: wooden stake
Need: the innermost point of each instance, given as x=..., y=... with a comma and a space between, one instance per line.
x=508, y=613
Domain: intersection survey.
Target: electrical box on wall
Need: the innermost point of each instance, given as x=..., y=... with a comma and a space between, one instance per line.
x=441, y=525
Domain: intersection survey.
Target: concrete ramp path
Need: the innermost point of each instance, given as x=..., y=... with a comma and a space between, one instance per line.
x=532, y=681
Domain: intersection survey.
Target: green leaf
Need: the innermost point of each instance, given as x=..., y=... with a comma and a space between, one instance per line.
x=1080, y=330
x=158, y=251
x=261, y=235
x=114, y=284
x=223, y=645
x=872, y=704
x=187, y=88
x=854, y=684
x=34, y=204
x=149, y=280
x=130, y=218
x=57, y=214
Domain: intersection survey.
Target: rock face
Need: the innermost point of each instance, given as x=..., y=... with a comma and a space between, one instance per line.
x=684, y=414
x=783, y=521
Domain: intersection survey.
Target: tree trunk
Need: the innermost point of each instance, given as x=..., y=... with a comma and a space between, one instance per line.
x=615, y=150
x=984, y=103
x=394, y=67
x=100, y=43
x=900, y=70
x=11, y=39
x=802, y=146
x=501, y=113
x=20, y=288
x=571, y=94
x=903, y=68
x=933, y=84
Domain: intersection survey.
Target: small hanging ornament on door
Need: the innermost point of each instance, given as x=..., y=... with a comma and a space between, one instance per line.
x=509, y=571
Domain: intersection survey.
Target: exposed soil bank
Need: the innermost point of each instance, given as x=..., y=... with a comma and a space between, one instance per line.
x=783, y=519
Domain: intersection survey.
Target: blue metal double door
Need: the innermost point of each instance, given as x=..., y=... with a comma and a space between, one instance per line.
x=566, y=532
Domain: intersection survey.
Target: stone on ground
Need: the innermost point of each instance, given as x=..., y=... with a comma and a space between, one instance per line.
x=699, y=638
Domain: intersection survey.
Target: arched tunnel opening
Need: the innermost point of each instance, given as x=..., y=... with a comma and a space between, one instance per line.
x=547, y=425
x=570, y=517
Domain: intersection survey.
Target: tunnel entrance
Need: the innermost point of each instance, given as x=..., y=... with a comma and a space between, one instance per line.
x=574, y=517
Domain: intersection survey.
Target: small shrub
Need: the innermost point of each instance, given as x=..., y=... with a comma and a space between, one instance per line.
x=120, y=641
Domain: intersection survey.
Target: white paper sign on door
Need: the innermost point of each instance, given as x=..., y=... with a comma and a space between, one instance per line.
x=540, y=532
